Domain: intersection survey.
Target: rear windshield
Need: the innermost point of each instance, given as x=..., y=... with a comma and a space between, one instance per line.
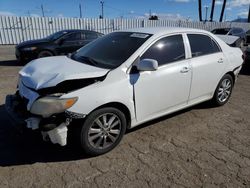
x=221, y=31
x=111, y=50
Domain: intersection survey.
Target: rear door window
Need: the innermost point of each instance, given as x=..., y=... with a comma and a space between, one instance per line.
x=222, y=31
x=73, y=37
x=90, y=35
x=202, y=45
x=237, y=31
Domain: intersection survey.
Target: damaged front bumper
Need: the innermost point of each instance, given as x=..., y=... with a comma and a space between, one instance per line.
x=53, y=128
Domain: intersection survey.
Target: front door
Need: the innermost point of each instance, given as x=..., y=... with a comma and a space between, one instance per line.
x=166, y=89
x=70, y=43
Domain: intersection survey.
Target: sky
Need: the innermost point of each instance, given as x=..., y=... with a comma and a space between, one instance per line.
x=164, y=9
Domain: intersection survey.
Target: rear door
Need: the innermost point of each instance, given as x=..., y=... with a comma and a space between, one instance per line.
x=208, y=64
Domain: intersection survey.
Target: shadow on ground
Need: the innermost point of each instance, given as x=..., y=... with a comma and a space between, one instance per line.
x=10, y=63
x=28, y=147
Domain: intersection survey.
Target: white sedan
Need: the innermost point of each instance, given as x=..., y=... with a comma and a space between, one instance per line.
x=122, y=80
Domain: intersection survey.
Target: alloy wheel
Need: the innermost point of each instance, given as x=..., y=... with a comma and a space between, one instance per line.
x=104, y=131
x=224, y=90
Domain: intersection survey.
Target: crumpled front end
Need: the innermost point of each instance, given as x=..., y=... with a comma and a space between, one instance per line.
x=39, y=102
x=45, y=113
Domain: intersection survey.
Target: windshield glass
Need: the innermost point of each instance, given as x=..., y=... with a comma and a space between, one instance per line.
x=111, y=50
x=56, y=35
x=221, y=31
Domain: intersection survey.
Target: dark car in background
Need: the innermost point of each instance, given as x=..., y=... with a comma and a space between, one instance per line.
x=59, y=43
x=248, y=37
x=234, y=31
x=246, y=55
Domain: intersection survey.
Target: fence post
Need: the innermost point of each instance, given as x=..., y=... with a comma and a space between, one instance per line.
x=21, y=25
x=80, y=23
x=142, y=23
x=113, y=25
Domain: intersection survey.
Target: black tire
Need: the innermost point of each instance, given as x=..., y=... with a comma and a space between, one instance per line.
x=223, y=90
x=91, y=128
x=45, y=53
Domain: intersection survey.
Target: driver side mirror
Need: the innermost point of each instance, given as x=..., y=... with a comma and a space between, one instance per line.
x=147, y=65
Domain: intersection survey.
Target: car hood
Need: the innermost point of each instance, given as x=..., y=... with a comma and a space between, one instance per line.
x=50, y=71
x=32, y=43
x=229, y=39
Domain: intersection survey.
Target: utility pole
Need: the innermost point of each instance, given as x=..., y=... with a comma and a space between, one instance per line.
x=206, y=8
x=102, y=14
x=80, y=9
x=42, y=10
x=248, y=20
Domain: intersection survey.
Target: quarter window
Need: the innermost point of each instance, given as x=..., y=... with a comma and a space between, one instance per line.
x=202, y=45
x=166, y=50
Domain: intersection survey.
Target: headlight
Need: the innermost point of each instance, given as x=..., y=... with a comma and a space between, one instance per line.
x=29, y=49
x=48, y=106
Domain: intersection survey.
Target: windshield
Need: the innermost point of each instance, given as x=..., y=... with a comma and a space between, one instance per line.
x=111, y=50
x=223, y=31
x=56, y=35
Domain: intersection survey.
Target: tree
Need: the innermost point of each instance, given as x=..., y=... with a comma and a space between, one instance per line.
x=153, y=17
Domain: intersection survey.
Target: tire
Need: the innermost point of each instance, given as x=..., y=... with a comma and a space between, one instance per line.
x=98, y=137
x=223, y=90
x=45, y=53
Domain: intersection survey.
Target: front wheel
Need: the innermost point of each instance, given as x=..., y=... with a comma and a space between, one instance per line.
x=223, y=90
x=102, y=130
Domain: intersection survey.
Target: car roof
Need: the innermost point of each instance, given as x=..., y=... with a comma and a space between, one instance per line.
x=165, y=30
x=75, y=30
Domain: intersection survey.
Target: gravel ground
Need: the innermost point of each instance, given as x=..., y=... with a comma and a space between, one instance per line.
x=197, y=147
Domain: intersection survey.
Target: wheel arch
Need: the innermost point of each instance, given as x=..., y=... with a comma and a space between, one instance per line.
x=119, y=106
x=231, y=73
x=45, y=49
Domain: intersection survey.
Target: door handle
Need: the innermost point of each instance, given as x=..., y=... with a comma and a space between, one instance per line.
x=220, y=60
x=185, y=69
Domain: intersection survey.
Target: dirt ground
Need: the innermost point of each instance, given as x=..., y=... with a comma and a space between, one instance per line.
x=198, y=147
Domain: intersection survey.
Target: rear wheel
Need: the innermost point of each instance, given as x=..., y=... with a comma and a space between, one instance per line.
x=45, y=53
x=102, y=130
x=223, y=90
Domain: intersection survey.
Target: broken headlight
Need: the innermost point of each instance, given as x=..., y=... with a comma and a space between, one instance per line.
x=50, y=105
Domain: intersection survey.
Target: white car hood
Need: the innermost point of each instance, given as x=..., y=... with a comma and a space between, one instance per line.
x=50, y=71
x=229, y=39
